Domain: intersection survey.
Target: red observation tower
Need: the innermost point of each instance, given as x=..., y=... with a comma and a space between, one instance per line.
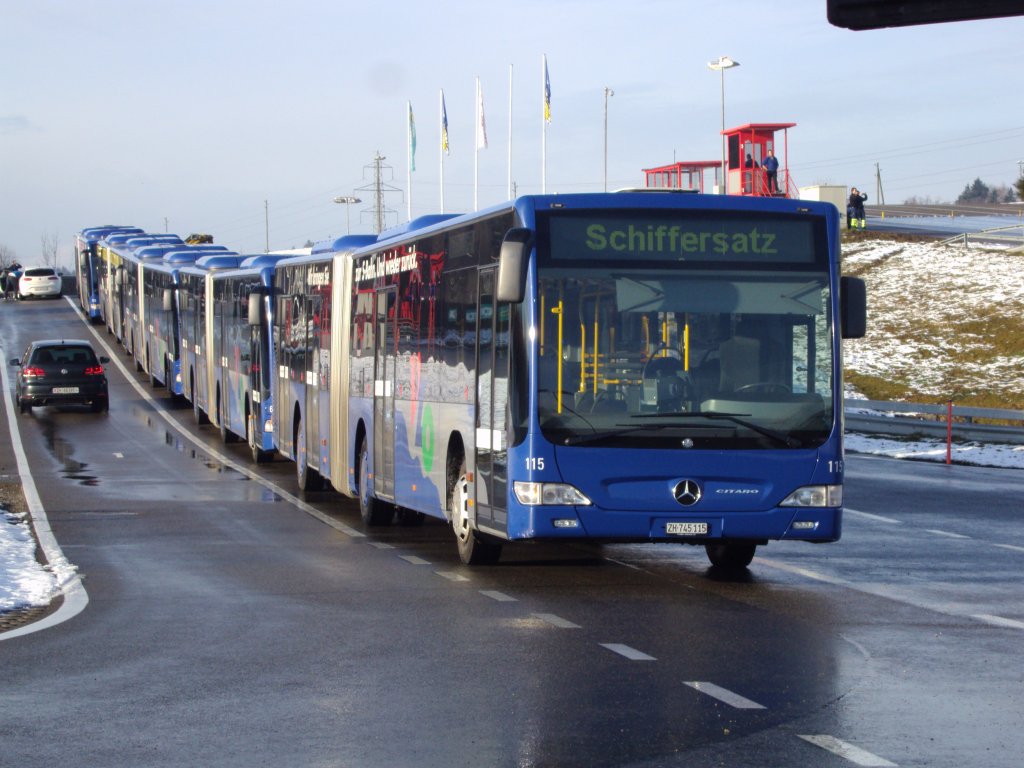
x=748, y=147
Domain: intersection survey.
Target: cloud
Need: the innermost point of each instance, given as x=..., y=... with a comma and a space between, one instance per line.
x=12, y=124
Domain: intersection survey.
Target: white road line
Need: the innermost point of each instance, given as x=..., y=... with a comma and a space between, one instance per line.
x=889, y=592
x=225, y=460
x=381, y=545
x=869, y=516
x=848, y=751
x=998, y=621
x=947, y=534
x=557, y=621
x=69, y=582
x=1011, y=547
x=630, y=653
x=414, y=560
x=118, y=455
x=501, y=597
x=724, y=695
x=452, y=575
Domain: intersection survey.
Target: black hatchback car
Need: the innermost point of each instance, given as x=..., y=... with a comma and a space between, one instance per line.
x=61, y=372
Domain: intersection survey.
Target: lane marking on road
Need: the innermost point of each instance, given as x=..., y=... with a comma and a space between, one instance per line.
x=381, y=545
x=630, y=653
x=501, y=597
x=870, y=516
x=1011, y=547
x=557, y=621
x=998, y=621
x=848, y=751
x=208, y=450
x=69, y=583
x=947, y=534
x=414, y=560
x=887, y=591
x=724, y=695
x=118, y=455
x=452, y=575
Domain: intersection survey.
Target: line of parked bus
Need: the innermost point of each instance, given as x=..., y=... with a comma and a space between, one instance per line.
x=628, y=366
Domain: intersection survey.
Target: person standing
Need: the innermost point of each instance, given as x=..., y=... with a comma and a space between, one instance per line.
x=771, y=171
x=855, y=210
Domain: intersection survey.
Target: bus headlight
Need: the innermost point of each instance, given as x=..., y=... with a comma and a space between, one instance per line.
x=815, y=496
x=548, y=494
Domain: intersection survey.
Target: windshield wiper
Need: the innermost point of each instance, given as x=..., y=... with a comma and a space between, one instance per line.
x=735, y=418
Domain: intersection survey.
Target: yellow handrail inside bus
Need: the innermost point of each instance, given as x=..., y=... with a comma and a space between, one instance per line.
x=558, y=394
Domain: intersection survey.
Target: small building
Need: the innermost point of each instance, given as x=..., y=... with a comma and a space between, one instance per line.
x=748, y=146
x=687, y=175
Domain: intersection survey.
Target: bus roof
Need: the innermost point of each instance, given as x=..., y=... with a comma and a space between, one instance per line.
x=344, y=243
x=219, y=260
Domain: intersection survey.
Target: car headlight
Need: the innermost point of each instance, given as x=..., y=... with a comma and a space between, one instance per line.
x=815, y=496
x=548, y=494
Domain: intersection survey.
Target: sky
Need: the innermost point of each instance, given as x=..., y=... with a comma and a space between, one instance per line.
x=245, y=119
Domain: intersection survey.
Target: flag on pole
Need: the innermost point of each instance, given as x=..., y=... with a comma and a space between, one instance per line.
x=481, y=128
x=412, y=140
x=444, y=127
x=547, y=92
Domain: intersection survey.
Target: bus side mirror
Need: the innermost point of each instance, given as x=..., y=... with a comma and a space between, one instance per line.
x=255, y=299
x=853, y=307
x=168, y=299
x=512, y=265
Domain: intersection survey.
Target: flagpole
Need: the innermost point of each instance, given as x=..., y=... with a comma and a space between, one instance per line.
x=408, y=146
x=510, y=131
x=441, y=119
x=476, y=151
x=544, y=129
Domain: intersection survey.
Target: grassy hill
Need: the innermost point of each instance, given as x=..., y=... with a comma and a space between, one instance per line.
x=943, y=322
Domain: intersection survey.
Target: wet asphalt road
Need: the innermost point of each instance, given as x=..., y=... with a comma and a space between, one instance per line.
x=228, y=626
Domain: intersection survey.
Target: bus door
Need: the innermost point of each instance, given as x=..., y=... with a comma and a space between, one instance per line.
x=314, y=380
x=492, y=369
x=384, y=370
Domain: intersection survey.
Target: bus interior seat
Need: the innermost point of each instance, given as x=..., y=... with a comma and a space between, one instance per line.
x=740, y=363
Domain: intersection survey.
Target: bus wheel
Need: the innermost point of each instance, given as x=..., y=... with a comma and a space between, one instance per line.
x=197, y=412
x=374, y=511
x=474, y=548
x=730, y=555
x=307, y=478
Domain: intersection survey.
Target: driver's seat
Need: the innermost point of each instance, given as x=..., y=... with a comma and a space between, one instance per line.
x=740, y=363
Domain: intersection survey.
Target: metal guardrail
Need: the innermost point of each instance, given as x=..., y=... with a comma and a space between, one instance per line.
x=933, y=420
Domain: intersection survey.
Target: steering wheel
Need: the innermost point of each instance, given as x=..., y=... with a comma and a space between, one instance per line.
x=767, y=387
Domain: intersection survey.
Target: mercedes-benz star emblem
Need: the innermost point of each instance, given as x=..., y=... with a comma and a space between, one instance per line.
x=687, y=493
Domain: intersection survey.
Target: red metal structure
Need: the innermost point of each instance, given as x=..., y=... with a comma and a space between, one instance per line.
x=748, y=147
x=687, y=175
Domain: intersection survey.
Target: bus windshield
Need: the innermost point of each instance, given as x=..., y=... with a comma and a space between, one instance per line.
x=721, y=356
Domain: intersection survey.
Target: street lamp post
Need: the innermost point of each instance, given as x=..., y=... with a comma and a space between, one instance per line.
x=721, y=64
x=607, y=92
x=347, y=200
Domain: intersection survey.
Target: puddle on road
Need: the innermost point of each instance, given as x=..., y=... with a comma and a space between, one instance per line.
x=63, y=451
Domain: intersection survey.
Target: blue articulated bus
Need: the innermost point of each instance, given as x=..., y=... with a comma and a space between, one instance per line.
x=242, y=316
x=160, y=320
x=307, y=382
x=613, y=367
x=200, y=367
x=89, y=268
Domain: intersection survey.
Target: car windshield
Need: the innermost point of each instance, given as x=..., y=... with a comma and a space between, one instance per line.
x=69, y=355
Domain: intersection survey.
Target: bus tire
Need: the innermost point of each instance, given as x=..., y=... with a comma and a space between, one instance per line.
x=730, y=555
x=475, y=548
x=308, y=479
x=372, y=510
